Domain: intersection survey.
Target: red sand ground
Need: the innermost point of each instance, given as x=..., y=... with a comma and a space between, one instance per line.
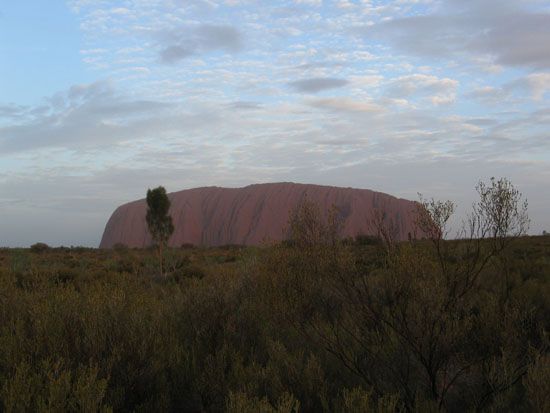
x=254, y=214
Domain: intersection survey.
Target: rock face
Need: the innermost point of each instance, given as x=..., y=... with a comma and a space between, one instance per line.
x=254, y=214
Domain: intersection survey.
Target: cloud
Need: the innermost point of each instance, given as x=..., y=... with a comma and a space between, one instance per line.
x=346, y=105
x=244, y=105
x=181, y=43
x=173, y=54
x=83, y=117
x=437, y=90
x=509, y=33
x=317, y=84
x=534, y=85
x=309, y=2
x=366, y=81
x=537, y=84
x=488, y=94
x=12, y=111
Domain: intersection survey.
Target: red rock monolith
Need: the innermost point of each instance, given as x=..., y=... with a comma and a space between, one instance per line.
x=214, y=216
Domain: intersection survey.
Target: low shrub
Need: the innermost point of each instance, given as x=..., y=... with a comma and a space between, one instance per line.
x=40, y=247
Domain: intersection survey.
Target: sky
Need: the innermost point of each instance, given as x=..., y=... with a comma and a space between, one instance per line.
x=100, y=100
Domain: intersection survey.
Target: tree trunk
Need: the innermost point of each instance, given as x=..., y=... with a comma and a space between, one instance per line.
x=160, y=258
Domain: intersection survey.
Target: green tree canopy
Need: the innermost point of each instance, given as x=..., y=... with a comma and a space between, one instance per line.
x=159, y=222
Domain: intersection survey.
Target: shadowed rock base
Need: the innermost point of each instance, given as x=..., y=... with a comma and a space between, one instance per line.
x=255, y=214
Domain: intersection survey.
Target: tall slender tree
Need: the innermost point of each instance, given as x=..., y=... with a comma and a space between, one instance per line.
x=159, y=222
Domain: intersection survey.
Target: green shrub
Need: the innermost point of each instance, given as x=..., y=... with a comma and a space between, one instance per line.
x=367, y=240
x=241, y=403
x=39, y=247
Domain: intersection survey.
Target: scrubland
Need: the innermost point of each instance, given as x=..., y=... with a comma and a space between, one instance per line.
x=353, y=326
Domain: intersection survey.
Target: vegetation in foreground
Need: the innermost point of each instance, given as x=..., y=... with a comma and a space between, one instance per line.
x=315, y=324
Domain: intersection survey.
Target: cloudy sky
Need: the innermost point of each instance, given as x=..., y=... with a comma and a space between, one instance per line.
x=100, y=100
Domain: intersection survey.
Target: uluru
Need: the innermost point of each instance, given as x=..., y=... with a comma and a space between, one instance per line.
x=252, y=215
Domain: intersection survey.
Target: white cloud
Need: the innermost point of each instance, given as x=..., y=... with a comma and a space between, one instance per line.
x=309, y=2
x=437, y=90
x=539, y=84
x=342, y=104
